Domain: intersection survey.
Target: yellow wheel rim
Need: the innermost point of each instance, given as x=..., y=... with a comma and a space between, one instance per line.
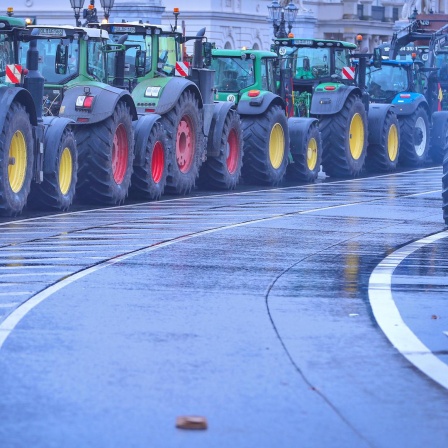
x=17, y=162
x=65, y=171
x=392, y=143
x=277, y=146
x=356, y=136
x=311, y=154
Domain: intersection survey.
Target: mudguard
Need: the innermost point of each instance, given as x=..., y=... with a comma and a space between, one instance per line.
x=439, y=129
x=409, y=106
x=329, y=102
x=22, y=96
x=220, y=112
x=142, y=129
x=258, y=105
x=54, y=128
x=376, y=117
x=298, y=130
x=106, y=99
x=172, y=92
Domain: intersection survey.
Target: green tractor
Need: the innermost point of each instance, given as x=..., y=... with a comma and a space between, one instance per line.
x=38, y=156
x=326, y=86
x=204, y=137
x=253, y=80
x=74, y=65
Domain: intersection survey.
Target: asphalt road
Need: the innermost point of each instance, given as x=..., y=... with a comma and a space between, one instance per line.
x=305, y=316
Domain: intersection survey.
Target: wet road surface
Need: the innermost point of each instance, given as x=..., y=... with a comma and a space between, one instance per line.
x=252, y=309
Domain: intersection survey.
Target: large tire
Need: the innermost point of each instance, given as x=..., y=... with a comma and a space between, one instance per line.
x=148, y=181
x=438, y=147
x=16, y=160
x=266, y=147
x=106, y=152
x=223, y=172
x=57, y=190
x=445, y=188
x=306, y=162
x=414, y=138
x=344, y=137
x=183, y=125
x=384, y=157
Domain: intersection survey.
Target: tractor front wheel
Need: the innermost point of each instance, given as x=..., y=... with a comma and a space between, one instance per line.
x=106, y=152
x=148, y=181
x=266, y=147
x=384, y=157
x=183, y=125
x=16, y=160
x=223, y=172
x=306, y=159
x=344, y=136
x=57, y=190
x=414, y=138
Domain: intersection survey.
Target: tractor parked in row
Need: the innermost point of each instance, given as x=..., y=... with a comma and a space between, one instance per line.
x=263, y=94
x=38, y=156
x=327, y=87
x=204, y=137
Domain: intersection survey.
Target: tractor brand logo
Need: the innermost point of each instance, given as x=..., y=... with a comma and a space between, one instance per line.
x=13, y=74
x=282, y=51
x=231, y=98
x=348, y=73
x=182, y=69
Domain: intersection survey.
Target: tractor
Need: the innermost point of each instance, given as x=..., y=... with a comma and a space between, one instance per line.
x=74, y=65
x=329, y=85
x=204, y=136
x=262, y=91
x=38, y=156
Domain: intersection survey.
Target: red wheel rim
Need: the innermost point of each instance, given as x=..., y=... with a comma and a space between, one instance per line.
x=232, y=152
x=185, y=144
x=157, y=162
x=120, y=152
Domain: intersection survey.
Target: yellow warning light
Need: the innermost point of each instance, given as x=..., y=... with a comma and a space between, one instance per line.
x=10, y=11
x=413, y=56
x=359, y=37
x=175, y=10
x=91, y=6
x=291, y=35
x=28, y=21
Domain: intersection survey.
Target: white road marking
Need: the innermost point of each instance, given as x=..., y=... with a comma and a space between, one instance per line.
x=389, y=319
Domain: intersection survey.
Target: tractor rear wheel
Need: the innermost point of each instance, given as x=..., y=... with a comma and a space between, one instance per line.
x=445, y=188
x=148, y=181
x=414, y=138
x=307, y=158
x=344, y=137
x=384, y=157
x=106, y=152
x=266, y=147
x=16, y=160
x=58, y=187
x=223, y=172
x=183, y=125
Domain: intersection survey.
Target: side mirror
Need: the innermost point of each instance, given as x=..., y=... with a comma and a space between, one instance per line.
x=140, y=63
x=377, y=57
x=61, y=59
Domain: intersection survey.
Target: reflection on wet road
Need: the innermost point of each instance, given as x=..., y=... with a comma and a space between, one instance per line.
x=249, y=308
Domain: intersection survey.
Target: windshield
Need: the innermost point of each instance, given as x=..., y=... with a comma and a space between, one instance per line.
x=133, y=44
x=312, y=63
x=385, y=83
x=47, y=53
x=442, y=64
x=233, y=74
x=6, y=55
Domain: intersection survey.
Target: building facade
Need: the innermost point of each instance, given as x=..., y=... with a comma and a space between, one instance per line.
x=239, y=23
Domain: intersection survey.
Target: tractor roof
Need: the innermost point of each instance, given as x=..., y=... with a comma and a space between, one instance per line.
x=258, y=54
x=55, y=31
x=313, y=43
x=11, y=22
